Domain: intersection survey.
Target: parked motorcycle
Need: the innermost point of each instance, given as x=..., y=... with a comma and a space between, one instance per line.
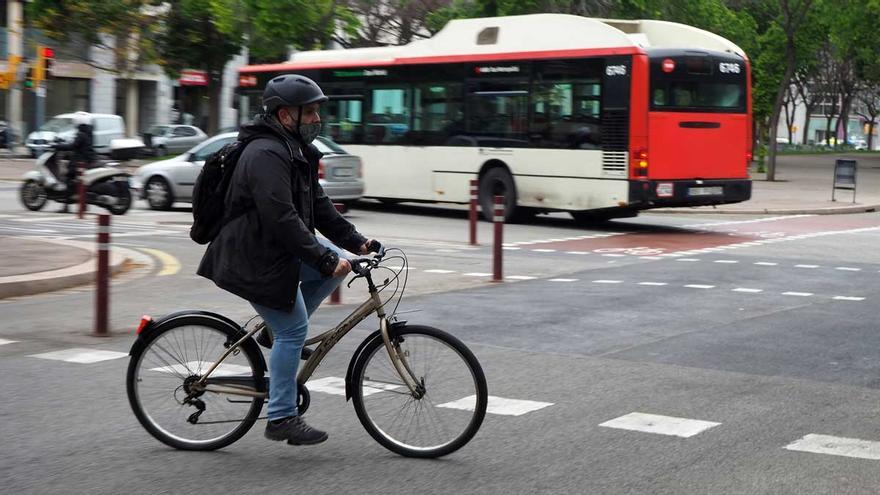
x=106, y=186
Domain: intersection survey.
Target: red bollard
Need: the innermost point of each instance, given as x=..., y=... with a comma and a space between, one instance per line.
x=103, y=280
x=80, y=189
x=475, y=190
x=336, y=296
x=498, y=218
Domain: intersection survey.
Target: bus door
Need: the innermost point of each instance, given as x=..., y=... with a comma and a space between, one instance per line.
x=698, y=123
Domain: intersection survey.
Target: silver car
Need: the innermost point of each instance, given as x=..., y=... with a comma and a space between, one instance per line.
x=165, y=182
x=164, y=139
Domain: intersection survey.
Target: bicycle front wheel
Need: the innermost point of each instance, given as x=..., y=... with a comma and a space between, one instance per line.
x=445, y=417
x=161, y=378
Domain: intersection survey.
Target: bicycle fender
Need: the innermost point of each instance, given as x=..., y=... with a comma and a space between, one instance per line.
x=349, y=375
x=160, y=324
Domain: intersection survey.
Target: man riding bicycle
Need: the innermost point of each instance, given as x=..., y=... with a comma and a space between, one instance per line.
x=267, y=251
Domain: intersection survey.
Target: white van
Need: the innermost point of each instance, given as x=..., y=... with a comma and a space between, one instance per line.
x=105, y=128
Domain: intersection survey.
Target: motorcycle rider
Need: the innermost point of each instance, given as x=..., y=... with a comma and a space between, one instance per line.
x=82, y=154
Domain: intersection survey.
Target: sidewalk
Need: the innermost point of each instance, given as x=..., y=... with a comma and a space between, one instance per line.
x=802, y=186
x=32, y=266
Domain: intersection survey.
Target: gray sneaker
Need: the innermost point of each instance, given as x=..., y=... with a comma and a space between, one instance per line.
x=295, y=431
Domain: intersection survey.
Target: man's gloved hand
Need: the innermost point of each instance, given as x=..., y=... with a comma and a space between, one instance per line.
x=371, y=246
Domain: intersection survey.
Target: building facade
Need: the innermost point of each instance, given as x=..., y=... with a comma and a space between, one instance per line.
x=77, y=82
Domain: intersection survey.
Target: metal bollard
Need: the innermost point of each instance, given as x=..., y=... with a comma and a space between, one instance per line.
x=103, y=280
x=472, y=216
x=498, y=219
x=80, y=190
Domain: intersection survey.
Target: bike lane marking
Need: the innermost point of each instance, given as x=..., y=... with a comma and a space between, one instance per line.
x=661, y=425
x=841, y=446
x=81, y=356
x=5, y=341
x=170, y=264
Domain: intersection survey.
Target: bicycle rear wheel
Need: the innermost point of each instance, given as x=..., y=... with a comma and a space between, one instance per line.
x=449, y=413
x=160, y=378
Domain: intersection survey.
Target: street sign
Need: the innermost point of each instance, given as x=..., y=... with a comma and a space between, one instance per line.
x=191, y=77
x=844, y=177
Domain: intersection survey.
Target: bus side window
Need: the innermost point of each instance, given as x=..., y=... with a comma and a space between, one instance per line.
x=497, y=115
x=388, y=119
x=342, y=120
x=437, y=113
x=565, y=115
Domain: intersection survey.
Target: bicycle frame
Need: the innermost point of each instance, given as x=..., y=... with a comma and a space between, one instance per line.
x=325, y=341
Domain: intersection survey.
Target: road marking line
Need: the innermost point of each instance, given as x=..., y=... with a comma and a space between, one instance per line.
x=847, y=269
x=170, y=265
x=650, y=257
x=576, y=252
x=498, y=405
x=653, y=284
x=563, y=280
x=687, y=259
x=43, y=219
x=4, y=341
x=508, y=248
x=846, y=447
x=806, y=266
x=477, y=274
x=699, y=286
x=726, y=261
x=81, y=356
x=745, y=289
x=544, y=250
x=799, y=294
x=520, y=277
x=336, y=386
x=613, y=255
x=439, y=271
x=662, y=425
x=607, y=281
x=849, y=298
x=766, y=263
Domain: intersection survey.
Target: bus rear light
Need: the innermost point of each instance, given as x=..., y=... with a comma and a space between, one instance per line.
x=665, y=189
x=640, y=162
x=320, y=169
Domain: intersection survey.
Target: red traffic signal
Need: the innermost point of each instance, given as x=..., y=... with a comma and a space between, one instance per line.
x=48, y=52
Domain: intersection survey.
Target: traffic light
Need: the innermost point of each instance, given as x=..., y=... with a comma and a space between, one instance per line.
x=29, y=78
x=44, y=59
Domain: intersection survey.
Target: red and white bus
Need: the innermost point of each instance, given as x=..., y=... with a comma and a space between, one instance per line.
x=600, y=118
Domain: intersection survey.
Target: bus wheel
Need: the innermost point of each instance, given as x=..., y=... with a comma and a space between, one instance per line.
x=497, y=182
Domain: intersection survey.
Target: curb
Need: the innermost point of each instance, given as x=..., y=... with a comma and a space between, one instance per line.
x=834, y=210
x=62, y=278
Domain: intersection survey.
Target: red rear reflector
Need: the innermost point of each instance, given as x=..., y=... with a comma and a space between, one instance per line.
x=145, y=322
x=668, y=65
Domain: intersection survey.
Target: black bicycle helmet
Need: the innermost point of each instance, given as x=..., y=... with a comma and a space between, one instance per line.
x=291, y=90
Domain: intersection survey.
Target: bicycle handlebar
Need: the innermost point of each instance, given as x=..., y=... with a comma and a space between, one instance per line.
x=362, y=266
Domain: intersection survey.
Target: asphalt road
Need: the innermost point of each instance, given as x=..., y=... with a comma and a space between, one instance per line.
x=661, y=354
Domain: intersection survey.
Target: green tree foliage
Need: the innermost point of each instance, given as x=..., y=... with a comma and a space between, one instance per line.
x=191, y=38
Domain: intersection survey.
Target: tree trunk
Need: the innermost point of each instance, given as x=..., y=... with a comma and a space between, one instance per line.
x=215, y=86
x=871, y=134
x=777, y=109
x=844, y=117
x=809, y=110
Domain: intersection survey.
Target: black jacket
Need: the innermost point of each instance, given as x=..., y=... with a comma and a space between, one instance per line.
x=81, y=147
x=273, y=206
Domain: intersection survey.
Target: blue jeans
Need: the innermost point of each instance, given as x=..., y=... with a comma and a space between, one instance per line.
x=289, y=330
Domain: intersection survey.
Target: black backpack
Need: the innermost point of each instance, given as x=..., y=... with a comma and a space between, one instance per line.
x=209, y=192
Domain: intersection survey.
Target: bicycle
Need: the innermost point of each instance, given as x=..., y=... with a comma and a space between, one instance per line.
x=196, y=380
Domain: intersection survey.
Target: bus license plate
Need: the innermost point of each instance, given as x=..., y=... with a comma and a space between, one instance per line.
x=343, y=172
x=706, y=191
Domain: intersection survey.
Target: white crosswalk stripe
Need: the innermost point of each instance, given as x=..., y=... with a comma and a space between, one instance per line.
x=827, y=444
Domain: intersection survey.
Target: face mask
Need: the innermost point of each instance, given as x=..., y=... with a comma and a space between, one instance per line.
x=308, y=132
